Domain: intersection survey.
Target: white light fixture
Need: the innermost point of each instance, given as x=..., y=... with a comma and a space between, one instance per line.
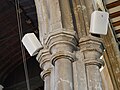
x=1, y=87
x=31, y=43
x=99, y=22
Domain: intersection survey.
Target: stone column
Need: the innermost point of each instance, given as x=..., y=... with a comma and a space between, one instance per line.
x=62, y=43
x=91, y=48
x=1, y=87
x=44, y=60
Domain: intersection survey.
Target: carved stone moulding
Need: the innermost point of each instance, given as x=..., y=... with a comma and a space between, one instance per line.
x=45, y=73
x=66, y=55
x=44, y=58
x=91, y=47
x=66, y=39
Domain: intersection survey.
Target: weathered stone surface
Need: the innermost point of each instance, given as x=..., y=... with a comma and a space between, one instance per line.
x=61, y=45
x=112, y=58
x=79, y=72
x=106, y=79
x=91, y=48
x=43, y=58
x=65, y=67
x=52, y=78
x=42, y=9
x=94, y=77
x=63, y=75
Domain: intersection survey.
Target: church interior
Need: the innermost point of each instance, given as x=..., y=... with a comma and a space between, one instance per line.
x=16, y=73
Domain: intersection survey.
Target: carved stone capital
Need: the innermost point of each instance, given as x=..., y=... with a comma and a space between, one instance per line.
x=62, y=38
x=44, y=59
x=45, y=73
x=62, y=43
x=90, y=43
x=68, y=55
x=91, y=47
x=98, y=62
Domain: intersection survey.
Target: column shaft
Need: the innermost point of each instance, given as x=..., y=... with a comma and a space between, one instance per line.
x=63, y=73
x=94, y=77
x=62, y=62
x=47, y=83
x=91, y=48
x=62, y=44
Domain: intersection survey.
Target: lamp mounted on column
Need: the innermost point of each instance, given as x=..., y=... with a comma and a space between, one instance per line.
x=31, y=43
x=1, y=87
x=99, y=22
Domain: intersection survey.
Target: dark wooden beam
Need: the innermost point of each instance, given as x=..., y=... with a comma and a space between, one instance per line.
x=115, y=14
x=113, y=4
x=117, y=31
x=116, y=23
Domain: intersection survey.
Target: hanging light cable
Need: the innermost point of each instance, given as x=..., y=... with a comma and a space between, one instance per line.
x=18, y=11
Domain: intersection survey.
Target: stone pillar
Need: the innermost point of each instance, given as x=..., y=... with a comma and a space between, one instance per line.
x=60, y=15
x=1, y=87
x=91, y=48
x=62, y=43
x=44, y=60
